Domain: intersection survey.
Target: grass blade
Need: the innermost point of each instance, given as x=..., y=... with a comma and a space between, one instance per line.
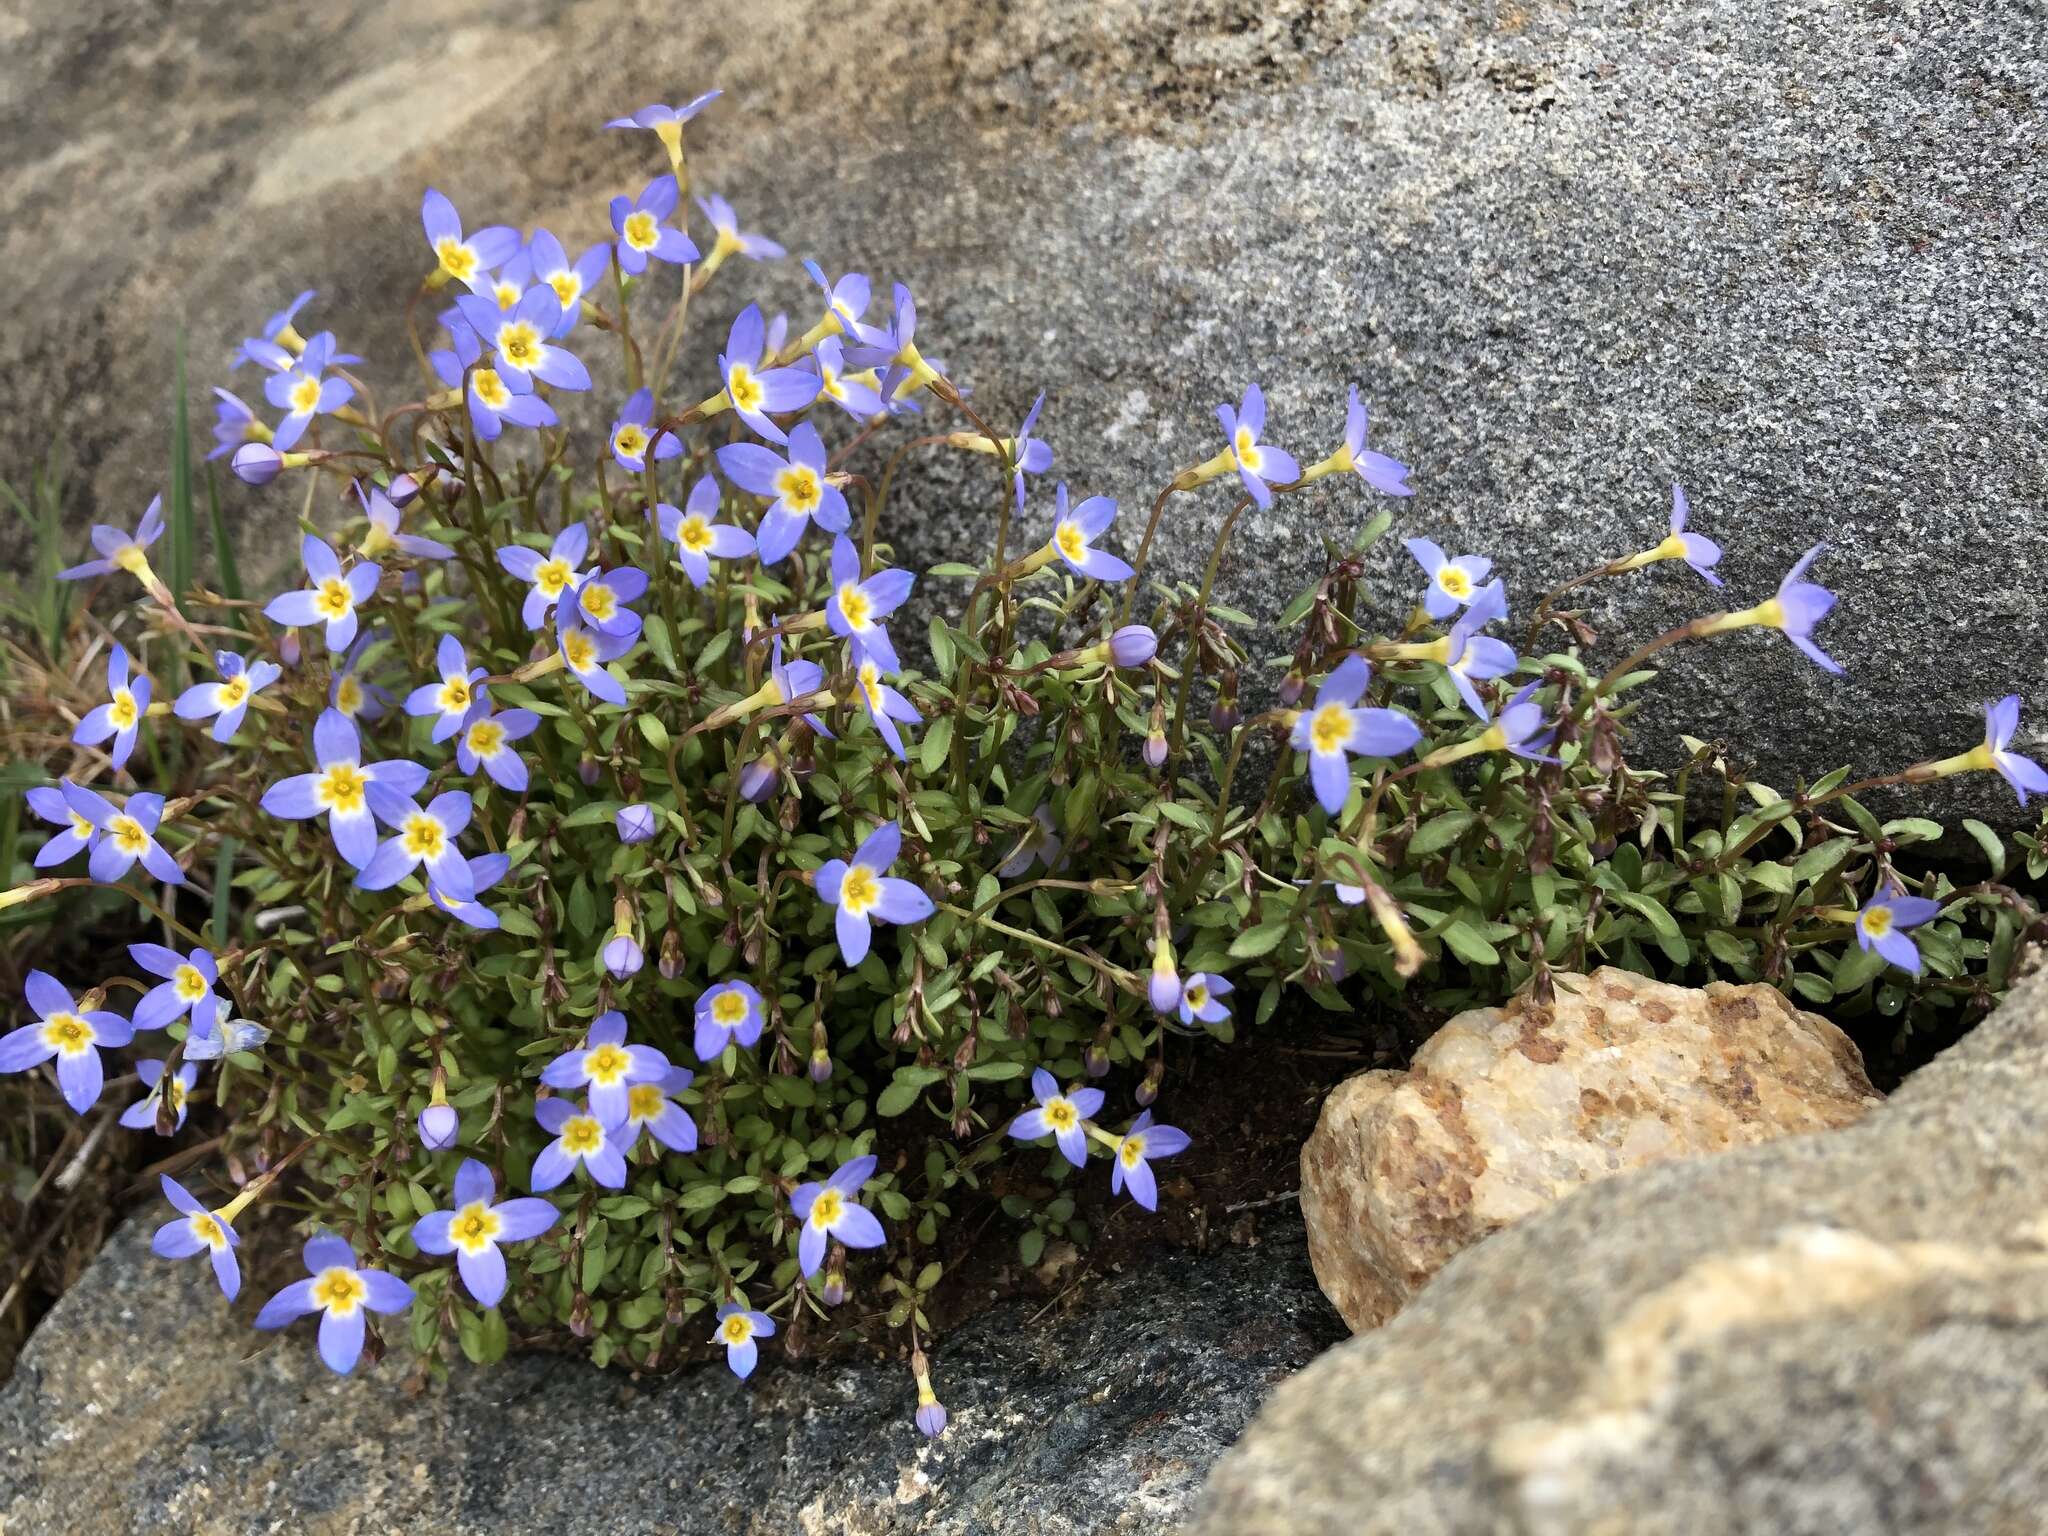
x=183, y=530
x=228, y=573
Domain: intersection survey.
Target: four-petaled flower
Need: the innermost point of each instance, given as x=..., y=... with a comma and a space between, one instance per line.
x=727, y=1014
x=1883, y=922
x=1701, y=553
x=549, y=575
x=2023, y=774
x=332, y=597
x=857, y=607
x=1385, y=475
x=586, y=653
x=1074, y=534
x=885, y=705
x=737, y=1329
x=383, y=516
x=698, y=537
x=1797, y=609
x=476, y=1226
x=829, y=1210
x=795, y=485
x=174, y=1091
x=862, y=894
x=602, y=596
x=568, y=280
x=580, y=1137
x=1131, y=1162
x=631, y=436
x=298, y=389
x=119, y=549
x=1335, y=727
x=465, y=258
x=278, y=328
x=853, y=393
x=641, y=233
x=485, y=871
x=1059, y=1115
x=607, y=1065
x=486, y=743
x=77, y=833
x=63, y=1031
x=197, y=1230
x=521, y=340
x=1470, y=656
x=666, y=123
x=341, y=788
x=186, y=988
x=1260, y=466
x=754, y=391
x=127, y=702
x=1199, y=998
x=492, y=398
x=652, y=1107
x=234, y=424
x=421, y=838
x=732, y=240
x=451, y=700
x=1452, y=583
x=228, y=699
x=341, y=1293
x=126, y=834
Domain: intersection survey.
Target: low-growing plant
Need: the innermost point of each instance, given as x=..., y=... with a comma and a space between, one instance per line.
x=588, y=874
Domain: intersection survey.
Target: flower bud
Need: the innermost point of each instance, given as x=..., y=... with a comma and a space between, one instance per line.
x=821, y=1065
x=1224, y=713
x=438, y=1125
x=403, y=490
x=622, y=955
x=288, y=649
x=1148, y=1087
x=1165, y=987
x=931, y=1413
x=256, y=463
x=1293, y=686
x=671, y=963
x=757, y=779
x=587, y=770
x=635, y=823
x=1155, y=743
x=833, y=1292
x=1133, y=646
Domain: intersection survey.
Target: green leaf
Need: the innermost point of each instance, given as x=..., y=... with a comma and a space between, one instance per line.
x=1465, y=941
x=953, y=570
x=1992, y=844
x=1261, y=940
x=1440, y=832
x=1824, y=859
x=938, y=740
x=655, y=732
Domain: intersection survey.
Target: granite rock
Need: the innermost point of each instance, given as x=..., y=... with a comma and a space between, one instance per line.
x=1506, y=1110
x=1821, y=1334
x=142, y=1405
x=1788, y=254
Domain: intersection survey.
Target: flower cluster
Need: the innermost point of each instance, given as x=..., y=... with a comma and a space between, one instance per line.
x=625, y=755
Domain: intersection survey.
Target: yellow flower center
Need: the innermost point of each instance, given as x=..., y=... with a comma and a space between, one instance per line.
x=579, y=650
x=305, y=395
x=1069, y=540
x=1329, y=728
x=339, y=1290
x=174, y=1091
x=1195, y=994
x=859, y=890
x=581, y=1135
x=871, y=685
x=506, y=293
x=80, y=827
x=598, y=600
x=643, y=230
x=606, y=1064
x=341, y=788
x=800, y=487
x=1454, y=581
x=123, y=711
x=736, y=1329
x=854, y=606
x=348, y=695
x=424, y=836
x=744, y=388
x=643, y=1101
x=455, y=695
x=456, y=259
x=207, y=1230
x=128, y=836
x=1247, y=449
x=490, y=388
x=551, y=576
x=474, y=1226
x=67, y=1034
x=1060, y=1115
x=190, y=984
x=486, y=737
x=828, y=383
x=333, y=599
x=519, y=344
x=568, y=289
x=828, y=1209
x=1877, y=922
x=629, y=442
x=728, y=1009
x=1131, y=1150
x=132, y=557
x=695, y=534
x=232, y=692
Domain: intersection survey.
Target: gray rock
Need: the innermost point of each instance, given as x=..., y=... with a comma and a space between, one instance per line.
x=142, y=1405
x=1785, y=254
x=1841, y=1332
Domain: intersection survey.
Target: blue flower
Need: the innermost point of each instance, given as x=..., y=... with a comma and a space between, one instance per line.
x=586, y=651
x=450, y=700
x=120, y=550
x=732, y=240
x=493, y=398
x=1074, y=534
x=1470, y=656
x=601, y=599
x=829, y=1210
x=126, y=836
x=727, y=1014
x=331, y=599
x=1385, y=475
x=1883, y=922
x=795, y=486
x=754, y=391
x=1797, y=610
x=1702, y=554
x=635, y=823
x=174, y=1091
x=228, y=699
x=197, y=1230
x=885, y=705
x=278, y=329
x=476, y=1226
x=630, y=435
x=854, y=393
x=1452, y=583
x=1335, y=727
x=341, y=1293
x=423, y=838
x=652, y=1107
x=1260, y=466
x=301, y=393
x=1131, y=1163
x=468, y=259
x=77, y=836
x=638, y=224
x=580, y=1137
x=737, y=1329
x=862, y=894
x=62, y=1031
x=857, y=607
x=1199, y=996
x=486, y=743
x=234, y=424
x=607, y=1065
x=698, y=537
x=187, y=987
x=348, y=694
x=127, y=702
x=341, y=788
x=485, y=871
x=666, y=124
x=1059, y=1115
x=2025, y=776
x=521, y=340
x=549, y=575
x=568, y=280
x=383, y=516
